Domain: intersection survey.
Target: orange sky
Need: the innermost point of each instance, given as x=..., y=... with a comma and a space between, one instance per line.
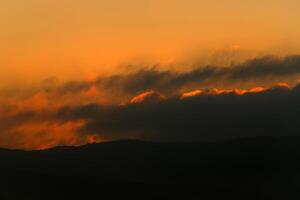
x=74, y=38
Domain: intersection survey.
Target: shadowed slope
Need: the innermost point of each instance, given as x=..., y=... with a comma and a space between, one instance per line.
x=252, y=168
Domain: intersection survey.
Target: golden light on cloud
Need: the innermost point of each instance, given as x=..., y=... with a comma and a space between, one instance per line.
x=257, y=89
x=191, y=94
x=283, y=85
x=218, y=91
x=147, y=96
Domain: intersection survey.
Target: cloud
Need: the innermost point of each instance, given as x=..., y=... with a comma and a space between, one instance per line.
x=115, y=89
x=191, y=94
x=203, y=117
x=264, y=70
x=155, y=104
x=150, y=96
x=43, y=135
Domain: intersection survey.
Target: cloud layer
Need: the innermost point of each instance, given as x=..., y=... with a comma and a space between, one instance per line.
x=203, y=117
x=264, y=70
x=159, y=105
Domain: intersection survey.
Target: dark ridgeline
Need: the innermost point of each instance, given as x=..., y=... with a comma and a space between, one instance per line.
x=253, y=168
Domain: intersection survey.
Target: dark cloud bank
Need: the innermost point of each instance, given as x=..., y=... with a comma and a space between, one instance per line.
x=263, y=70
x=274, y=112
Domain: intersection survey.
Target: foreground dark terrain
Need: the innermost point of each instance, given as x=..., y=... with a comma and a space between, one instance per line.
x=253, y=168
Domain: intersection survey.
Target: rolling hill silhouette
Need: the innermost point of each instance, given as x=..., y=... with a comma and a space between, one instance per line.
x=250, y=168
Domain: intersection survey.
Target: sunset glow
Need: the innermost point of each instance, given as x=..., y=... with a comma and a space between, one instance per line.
x=115, y=58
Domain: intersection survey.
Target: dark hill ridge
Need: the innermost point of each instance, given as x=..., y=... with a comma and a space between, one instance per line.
x=251, y=168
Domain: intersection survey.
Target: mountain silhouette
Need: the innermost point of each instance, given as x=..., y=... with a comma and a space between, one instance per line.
x=249, y=168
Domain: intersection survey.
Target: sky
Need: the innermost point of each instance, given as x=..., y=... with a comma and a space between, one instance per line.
x=59, y=58
x=74, y=38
